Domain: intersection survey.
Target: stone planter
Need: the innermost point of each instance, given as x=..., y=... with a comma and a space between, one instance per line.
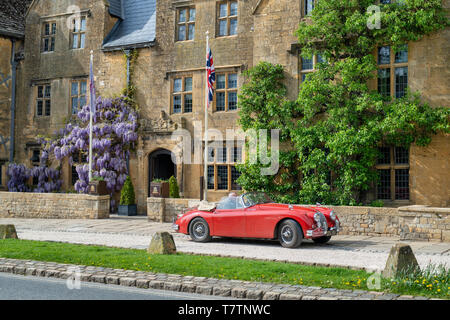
x=159, y=189
x=127, y=210
x=98, y=188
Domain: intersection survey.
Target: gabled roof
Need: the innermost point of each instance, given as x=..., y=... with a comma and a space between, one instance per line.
x=136, y=29
x=12, y=17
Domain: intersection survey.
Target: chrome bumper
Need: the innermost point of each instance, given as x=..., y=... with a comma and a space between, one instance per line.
x=319, y=232
x=175, y=227
x=334, y=230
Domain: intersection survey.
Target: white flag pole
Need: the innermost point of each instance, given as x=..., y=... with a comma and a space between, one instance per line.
x=205, y=164
x=90, y=122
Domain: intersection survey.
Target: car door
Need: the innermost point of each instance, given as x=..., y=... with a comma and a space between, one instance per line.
x=259, y=222
x=229, y=223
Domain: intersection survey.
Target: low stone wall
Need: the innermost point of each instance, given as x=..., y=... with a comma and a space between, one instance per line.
x=165, y=209
x=409, y=223
x=53, y=205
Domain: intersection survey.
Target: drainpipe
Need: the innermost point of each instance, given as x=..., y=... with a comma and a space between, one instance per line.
x=13, y=101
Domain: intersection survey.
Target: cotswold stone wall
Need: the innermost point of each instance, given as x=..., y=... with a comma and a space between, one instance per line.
x=165, y=209
x=410, y=223
x=53, y=206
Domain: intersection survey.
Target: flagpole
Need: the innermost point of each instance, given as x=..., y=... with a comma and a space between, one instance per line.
x=205, y=165
x=90, y=121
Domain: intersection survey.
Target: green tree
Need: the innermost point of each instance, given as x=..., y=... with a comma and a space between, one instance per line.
x=127, y=196
x=337, y=122
x=174, y=191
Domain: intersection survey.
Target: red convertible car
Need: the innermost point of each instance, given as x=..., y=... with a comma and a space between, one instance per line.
x=255, y=215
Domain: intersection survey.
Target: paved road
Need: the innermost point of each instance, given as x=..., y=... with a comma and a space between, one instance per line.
x=136, y=232
x=13, y=287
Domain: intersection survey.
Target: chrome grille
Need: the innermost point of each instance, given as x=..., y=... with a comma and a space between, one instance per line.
x=322, y=223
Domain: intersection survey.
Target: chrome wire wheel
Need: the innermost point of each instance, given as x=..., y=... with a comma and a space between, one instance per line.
x=290, y=234
x=287, y=234
x=199, y=230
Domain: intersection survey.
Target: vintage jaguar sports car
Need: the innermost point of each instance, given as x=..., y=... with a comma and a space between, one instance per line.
x=255, y=215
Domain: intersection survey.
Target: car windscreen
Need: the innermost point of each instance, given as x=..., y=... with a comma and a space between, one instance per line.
x=228, y=203
x=254, y=198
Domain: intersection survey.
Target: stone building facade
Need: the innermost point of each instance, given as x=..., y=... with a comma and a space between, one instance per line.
x=12, y=29
x=169, y=75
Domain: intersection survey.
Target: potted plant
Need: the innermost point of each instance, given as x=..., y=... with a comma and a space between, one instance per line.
x=174, y=191
x=97, y=187
x=159, y=188
x=127, y=206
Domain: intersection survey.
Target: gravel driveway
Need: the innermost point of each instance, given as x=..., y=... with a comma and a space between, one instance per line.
x=350, y=251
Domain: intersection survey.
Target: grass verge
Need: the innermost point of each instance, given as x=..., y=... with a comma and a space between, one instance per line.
x=209, y=266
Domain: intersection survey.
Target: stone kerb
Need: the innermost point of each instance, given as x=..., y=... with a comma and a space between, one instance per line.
x=53, y=205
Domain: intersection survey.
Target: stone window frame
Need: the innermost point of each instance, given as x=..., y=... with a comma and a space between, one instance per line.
x=187, y=23
x=227, y=90
x=304, y=72
x=215, y=163
x=228, y=18
x=183, y=93
x=44, y=99
x=79, y=31
x=78, y=95
x=48, y=38
x=389, y=88
x=395, y=168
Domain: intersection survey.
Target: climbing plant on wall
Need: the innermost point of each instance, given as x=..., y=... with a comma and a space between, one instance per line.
x=114, y=136
x=335, y=126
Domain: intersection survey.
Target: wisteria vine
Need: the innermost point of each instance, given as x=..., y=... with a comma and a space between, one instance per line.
x=48, y=179
x=114, y=136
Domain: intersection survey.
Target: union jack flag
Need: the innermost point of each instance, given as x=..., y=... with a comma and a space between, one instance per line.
x=211, y=75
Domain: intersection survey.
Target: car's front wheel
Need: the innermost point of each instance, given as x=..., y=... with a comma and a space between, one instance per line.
x=323, y=239
x=199, y=230
x=290, y=234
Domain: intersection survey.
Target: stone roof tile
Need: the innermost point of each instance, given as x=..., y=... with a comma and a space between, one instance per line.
x=138, y=27
x=12, y=17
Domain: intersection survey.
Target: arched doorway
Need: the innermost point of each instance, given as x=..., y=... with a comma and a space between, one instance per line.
x=160, y=166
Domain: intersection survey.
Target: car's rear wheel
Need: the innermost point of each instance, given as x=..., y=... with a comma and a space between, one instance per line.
x=290, y=234
x=323, y=239
x=199, y=230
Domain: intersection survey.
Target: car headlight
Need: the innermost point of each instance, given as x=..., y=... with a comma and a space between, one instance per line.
x=333, y=216
x=317, y=217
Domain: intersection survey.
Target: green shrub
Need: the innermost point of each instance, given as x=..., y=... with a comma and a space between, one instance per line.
x=127, y=196
x=174, y=191
x=158, y=180
x=377, y=203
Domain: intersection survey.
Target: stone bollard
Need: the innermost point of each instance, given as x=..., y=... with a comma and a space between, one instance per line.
x=8, y=231
x=162, y=243
x=401, y=259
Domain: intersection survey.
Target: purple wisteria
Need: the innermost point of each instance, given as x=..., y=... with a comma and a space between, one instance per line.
x=18, y=177
x=48, y=179
x=114, y=136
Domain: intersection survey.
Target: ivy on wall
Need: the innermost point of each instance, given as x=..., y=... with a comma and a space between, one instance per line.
x=333, y=130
